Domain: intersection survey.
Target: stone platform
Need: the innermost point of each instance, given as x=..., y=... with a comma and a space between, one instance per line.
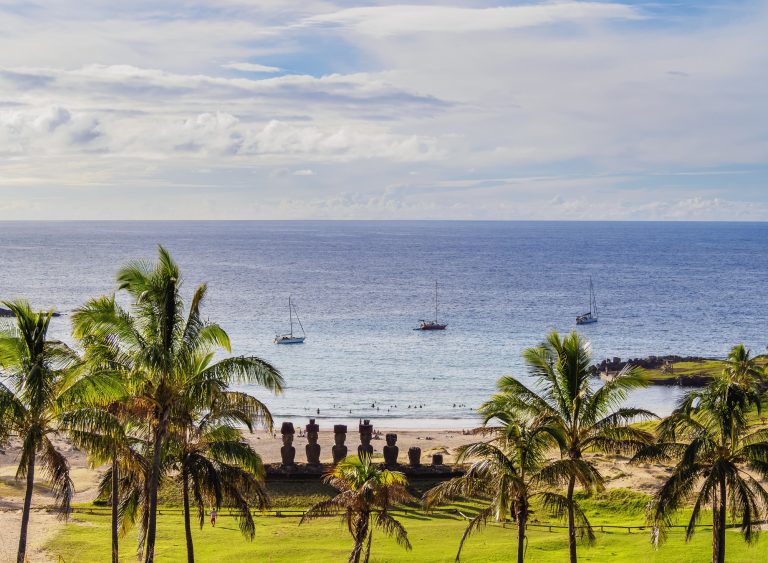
x=305, y=472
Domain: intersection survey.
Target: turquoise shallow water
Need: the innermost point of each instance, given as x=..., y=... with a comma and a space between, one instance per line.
x=360, y=287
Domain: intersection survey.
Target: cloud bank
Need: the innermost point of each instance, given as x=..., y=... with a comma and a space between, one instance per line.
x=439, y=110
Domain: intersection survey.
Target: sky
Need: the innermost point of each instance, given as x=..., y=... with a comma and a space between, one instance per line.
x=332, y=109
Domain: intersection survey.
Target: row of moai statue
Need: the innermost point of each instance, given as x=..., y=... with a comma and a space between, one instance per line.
x=340, y=450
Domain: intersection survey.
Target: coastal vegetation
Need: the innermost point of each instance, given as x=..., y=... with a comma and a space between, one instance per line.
x=718, y=455
x=673, y=370
x=41, y=384
x=155, y=365
x=581, y=418
x=366, y=496
x=148, y=393
x=693, y=372
x=511, y=471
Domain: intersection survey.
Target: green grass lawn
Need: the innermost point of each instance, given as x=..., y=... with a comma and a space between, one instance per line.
x=435, y=538
x=682, y=370
x=705, y=369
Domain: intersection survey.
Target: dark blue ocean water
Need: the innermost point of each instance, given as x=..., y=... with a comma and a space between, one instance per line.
x=360, y=287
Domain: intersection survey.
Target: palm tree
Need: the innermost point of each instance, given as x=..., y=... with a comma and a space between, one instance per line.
x=743, y=370
x=110, y=431
x=717, y=452
x=214, y=461
x=587, y=419
x=366, y=494
x=40, y=386
x=510, y=470
x=109, y=434
x=165, y=348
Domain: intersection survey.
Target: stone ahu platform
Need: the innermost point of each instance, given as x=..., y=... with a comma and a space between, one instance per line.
x=289, y=469
x=304, y=472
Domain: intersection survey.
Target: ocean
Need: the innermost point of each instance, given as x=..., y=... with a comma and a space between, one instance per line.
x=361, y=287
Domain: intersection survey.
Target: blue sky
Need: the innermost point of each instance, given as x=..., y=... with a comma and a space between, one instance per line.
x=452, y=109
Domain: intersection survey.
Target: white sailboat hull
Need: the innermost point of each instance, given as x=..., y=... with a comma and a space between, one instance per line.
x=288, y=339
x=586, y=319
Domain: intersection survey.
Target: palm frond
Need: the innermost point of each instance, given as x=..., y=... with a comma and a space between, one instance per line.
x=56, y=469
x=477, y=522
x=393, y=528
x=558, y=504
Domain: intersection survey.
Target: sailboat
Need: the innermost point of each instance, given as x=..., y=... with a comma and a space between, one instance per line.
x=432, y=325
x=290, y=338
x=590, y=316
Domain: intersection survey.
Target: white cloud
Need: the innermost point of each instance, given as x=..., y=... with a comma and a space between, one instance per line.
x=138, y=88
x=383, y=21
x=304, y=172
x=48, y=130
x=445, y=109
x=252, y=67
x=57, y=130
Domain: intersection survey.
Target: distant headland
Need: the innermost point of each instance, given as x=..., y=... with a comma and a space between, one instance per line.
x=9, y=313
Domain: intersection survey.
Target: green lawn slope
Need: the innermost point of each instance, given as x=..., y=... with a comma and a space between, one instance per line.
x=434, y=537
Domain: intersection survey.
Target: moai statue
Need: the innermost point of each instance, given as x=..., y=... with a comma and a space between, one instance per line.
x=437, y=459
x=391, y=450
x=339, y=436
x=288, y=452
x=313, y=448
x=414, y=456
x=366, y=434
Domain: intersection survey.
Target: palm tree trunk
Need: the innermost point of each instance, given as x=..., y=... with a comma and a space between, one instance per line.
x=571, y=521
x=368, y=547
x=715, y=524
x=154, y=480
x=718, y=524
x=361, y=531
x=187, y=526
x=115, y=501
x=522, y=520
x=22, y=554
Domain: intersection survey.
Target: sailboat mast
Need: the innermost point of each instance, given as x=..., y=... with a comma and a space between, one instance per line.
x=435, y=301
x=290, y=314
x=592, y=300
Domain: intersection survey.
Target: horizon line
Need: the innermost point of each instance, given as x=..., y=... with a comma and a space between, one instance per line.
x=387, y=220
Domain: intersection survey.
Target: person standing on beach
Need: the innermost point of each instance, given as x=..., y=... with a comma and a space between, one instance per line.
x=213, y=517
